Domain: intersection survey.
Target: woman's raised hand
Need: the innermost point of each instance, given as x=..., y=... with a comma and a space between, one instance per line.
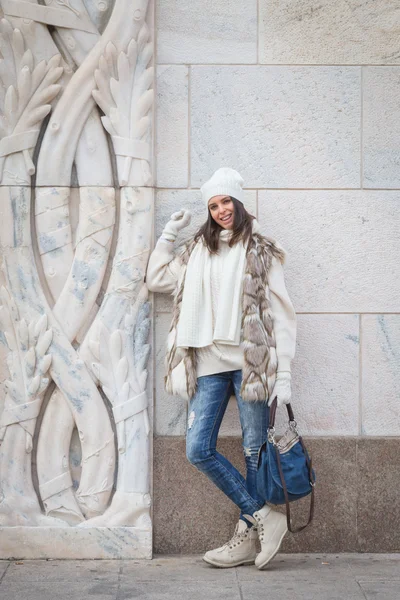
x=178, y=220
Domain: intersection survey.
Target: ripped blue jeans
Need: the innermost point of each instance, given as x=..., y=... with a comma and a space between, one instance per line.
x=206, y=410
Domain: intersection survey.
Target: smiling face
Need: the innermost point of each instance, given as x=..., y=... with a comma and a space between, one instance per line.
x=222, y=211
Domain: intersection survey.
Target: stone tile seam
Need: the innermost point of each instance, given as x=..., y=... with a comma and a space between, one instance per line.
x=277, y=189
x=77, y=187
x=281, y=579
x=120, y=573
x=5, y=571
x=154, y=392
x=155, y=33
x=355, y=438
x=238, y=583
x=360, y=381
x=258, y=33
x=357, y=544
x=362, y=128
x=333, y=314
x=369, y=579
x=362, y=591
x=189, y=125
x=197, y=189
x=257, y=211
x=278, y=65
x=155, y=103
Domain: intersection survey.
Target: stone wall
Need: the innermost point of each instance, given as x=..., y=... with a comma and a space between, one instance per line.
x=302, y=98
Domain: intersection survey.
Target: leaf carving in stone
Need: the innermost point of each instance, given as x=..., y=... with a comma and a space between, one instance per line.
x=26, y=95
x=28, y=363
x=125, y=96
x=121, y=358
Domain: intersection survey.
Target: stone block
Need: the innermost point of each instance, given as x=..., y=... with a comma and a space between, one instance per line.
x=381, y=127
x=75, y=542
x=207, y=31
x=380, y=374
x=291, y=127
x=335, y=519
x=378, y=481
x=343, y=247
x=172, y=126
x=169, y=411
x=325, y=32
x=325, y=375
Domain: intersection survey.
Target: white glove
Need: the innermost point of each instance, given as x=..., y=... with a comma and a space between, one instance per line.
x=282, y=389
x=178, y=221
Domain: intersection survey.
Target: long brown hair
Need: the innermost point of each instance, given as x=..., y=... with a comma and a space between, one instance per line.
x=242, y=228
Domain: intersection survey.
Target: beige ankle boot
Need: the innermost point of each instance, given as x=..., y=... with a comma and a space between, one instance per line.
x=272, y=528
x=240, y=550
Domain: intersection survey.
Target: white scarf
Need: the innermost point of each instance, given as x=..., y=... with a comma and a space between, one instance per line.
x=195, y=327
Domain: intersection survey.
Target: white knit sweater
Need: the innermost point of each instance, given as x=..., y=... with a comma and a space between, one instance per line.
x=162, y=275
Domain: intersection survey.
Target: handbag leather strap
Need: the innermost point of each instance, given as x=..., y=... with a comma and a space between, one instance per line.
x=272, y=416
x=312, y=500
x=272, y=413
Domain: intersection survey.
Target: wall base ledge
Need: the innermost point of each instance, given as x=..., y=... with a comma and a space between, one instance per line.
x=75, y=543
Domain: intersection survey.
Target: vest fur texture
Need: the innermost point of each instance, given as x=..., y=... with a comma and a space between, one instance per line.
x=257, y=340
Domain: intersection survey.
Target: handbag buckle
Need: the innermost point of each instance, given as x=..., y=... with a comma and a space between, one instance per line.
x=271, y=435
x=293, y=426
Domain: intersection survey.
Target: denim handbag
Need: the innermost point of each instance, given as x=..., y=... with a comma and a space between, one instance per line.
x=285, y=470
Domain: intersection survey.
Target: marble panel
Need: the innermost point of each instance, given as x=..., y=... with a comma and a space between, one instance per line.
x=380, y=375
x=342, y=247
x=280, y=127
x=381, y=127
x=325, y=32
x=206, y=31
x=172, y=126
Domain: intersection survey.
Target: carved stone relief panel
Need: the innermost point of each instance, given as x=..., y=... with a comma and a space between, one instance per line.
x=76, y=97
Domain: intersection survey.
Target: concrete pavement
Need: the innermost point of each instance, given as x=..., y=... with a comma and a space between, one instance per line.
x=289, y=577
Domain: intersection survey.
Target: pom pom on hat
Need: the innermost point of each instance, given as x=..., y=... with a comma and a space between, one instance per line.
x=225, y=181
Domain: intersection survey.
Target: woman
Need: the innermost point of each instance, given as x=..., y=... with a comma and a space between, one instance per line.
x=233, y=331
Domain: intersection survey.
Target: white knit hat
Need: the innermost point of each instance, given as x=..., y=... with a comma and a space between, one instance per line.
x=225, y=181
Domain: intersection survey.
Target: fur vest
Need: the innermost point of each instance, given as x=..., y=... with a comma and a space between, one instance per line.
x=257, y=336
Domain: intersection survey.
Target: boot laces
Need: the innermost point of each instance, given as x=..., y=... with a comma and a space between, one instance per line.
x=237, y=538
x=260, y=527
